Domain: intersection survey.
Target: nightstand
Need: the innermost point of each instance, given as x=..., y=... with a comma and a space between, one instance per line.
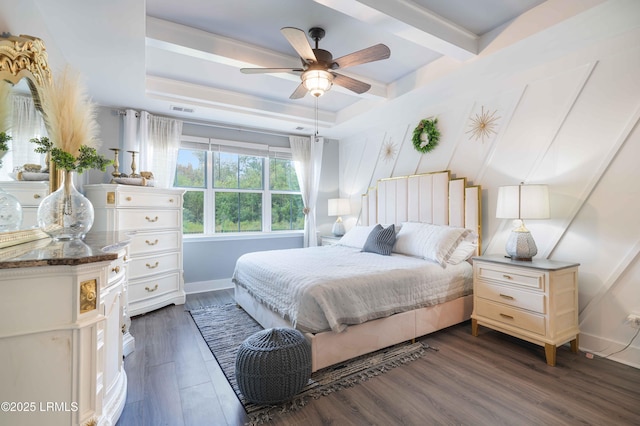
x=329, y=240
x=535, y=301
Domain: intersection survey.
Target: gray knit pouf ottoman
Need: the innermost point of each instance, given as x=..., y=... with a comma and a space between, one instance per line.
x=273, y=365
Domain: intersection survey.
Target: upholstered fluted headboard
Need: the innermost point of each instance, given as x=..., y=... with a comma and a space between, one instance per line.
x=429, y=197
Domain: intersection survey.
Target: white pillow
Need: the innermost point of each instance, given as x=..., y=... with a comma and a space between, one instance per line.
x=356, y=237
x=432, y=242
x=464, y=251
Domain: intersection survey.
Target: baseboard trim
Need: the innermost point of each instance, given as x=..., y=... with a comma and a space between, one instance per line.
x=602, y=347
x=211, y=285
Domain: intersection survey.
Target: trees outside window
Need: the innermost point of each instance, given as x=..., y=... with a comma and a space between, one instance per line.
x=235, y=192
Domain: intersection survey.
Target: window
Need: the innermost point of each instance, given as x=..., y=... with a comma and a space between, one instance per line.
x=237, y=187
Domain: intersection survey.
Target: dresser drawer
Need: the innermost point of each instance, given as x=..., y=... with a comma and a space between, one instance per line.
x=116, y=270
x=149, y=219
x=149, y=265
x=529, y=278
x=510, y=316
x=154, y=242
x=29, y=197
x=152, y=287
x=511, y=295
x=149, y=199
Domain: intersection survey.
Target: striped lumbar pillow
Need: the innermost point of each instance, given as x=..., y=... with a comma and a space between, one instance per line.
x=381, y=240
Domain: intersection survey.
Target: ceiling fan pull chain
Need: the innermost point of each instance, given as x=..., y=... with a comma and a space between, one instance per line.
x=316, y=118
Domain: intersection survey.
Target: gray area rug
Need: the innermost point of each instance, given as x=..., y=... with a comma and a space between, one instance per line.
x=225, y=327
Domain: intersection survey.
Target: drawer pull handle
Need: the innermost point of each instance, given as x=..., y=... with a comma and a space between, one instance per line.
x=151, y=289
x=506, y=316
x=506, y=296
x=125, y=259
x=155, y=219
x=151, y=243
x=152, y=266
x=128, y=198
x=36, y=196
x=509, y=277
x=171, y=200
x=116, y=269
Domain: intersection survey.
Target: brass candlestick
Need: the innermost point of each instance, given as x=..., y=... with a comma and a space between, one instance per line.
x=115, y=173
x=133, y=164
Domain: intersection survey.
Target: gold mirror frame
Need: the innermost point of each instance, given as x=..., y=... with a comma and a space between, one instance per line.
x=25, y=57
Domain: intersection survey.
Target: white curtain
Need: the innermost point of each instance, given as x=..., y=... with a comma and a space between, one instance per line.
x=130, y=140
x=26, y=124
x=159, y=145
x=307, y=157
x=157, y=140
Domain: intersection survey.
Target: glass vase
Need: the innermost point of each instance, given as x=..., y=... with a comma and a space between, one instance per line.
x=66, y=214
x=10, y=212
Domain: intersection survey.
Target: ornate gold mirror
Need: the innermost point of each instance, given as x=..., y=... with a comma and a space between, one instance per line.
x=25, y=57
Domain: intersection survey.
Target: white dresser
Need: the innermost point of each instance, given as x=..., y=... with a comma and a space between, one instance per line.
x=29, y=194
x=61, y=321
x=154, y=266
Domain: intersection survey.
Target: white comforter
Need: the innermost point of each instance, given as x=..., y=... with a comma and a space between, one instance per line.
x=331, y=287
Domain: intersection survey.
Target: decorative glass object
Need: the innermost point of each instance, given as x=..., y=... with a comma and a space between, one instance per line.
x=66, y=214
x=10, y=212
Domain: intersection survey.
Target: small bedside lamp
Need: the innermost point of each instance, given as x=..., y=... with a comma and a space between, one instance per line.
x=338, y=207
x=522, y=202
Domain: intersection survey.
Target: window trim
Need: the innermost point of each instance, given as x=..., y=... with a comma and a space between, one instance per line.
x=208, y=145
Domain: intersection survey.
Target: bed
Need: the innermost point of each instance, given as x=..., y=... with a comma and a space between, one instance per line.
x=433, y=224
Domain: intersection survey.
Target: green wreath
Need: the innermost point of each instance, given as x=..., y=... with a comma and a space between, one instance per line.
x=431, y=132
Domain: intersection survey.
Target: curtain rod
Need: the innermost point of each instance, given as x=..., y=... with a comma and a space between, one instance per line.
x=229, y=127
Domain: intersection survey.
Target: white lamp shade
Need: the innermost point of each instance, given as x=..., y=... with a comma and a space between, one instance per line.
x=339, y=206
x=523, y=202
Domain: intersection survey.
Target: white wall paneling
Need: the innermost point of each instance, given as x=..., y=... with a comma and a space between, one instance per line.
x=569, y=105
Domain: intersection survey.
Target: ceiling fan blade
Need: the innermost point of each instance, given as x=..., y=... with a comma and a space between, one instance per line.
x=350, y=83
x=299, y=92
x=298, y=40
x=370, y=54
x=268, y=70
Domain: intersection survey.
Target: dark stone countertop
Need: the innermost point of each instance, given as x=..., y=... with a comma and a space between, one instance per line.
x=96, y=247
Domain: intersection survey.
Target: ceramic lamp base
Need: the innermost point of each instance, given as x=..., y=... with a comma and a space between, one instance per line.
x=338, y=228
x=521, y=246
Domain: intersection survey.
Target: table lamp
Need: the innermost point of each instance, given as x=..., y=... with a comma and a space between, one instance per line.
x=522, y=202
x=338, y=207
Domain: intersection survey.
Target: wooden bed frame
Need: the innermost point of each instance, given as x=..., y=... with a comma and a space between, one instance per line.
x=431, y=198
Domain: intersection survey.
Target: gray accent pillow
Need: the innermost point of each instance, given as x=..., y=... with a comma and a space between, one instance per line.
x=381, y=240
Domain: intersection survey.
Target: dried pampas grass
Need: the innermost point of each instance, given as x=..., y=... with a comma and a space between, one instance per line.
x=5, y=108
x=70, y=114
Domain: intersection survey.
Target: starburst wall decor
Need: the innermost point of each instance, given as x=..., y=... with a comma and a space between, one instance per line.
x=483, y=124
x=388, y=151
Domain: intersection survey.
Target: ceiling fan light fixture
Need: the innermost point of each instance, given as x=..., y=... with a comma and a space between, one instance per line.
x=317, y=82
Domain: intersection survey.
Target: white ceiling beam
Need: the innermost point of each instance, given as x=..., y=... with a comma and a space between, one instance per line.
x=218, y=99
x=412, y=22
x=188, y=41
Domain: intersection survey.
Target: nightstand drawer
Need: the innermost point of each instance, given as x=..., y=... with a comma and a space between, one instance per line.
x=511, y=316
x=529, y=278
x=512, y=296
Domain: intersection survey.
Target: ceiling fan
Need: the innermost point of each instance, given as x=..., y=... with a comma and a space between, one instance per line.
x=318, y=66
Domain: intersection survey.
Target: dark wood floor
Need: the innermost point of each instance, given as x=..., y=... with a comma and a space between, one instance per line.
x=491, y=379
